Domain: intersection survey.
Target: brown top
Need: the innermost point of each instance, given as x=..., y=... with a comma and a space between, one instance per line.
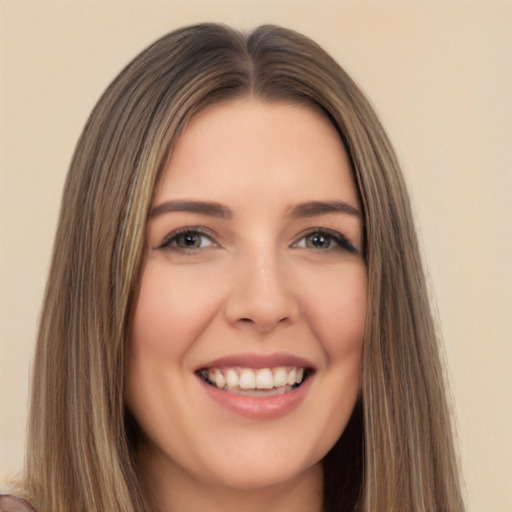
x=11, y=503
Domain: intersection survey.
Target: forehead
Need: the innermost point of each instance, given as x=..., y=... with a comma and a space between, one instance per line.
x=249, y=147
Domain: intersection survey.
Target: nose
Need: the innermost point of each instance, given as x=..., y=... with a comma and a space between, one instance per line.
x=262, y=294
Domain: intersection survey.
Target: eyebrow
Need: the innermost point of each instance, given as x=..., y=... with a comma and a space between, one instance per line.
x=313, y=208
x=210, y=208
x=214, y=209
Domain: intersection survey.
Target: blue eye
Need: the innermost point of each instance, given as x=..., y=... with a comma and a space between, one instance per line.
x=187, y=239
x=324, y=240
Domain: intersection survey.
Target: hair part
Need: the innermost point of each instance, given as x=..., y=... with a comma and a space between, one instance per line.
x=397, y=451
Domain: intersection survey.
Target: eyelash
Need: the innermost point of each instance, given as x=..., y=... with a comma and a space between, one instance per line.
x=340, y=242
x=170, y=241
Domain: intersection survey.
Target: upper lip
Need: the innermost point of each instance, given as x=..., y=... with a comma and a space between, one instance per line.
x=256, y=361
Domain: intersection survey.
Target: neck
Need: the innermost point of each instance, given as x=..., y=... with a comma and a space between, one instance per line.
x=170, y=491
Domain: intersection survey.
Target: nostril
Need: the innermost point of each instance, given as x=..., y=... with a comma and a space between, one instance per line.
x=261, y=324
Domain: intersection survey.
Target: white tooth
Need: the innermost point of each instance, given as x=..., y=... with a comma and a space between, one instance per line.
x=219, y=379
x=280, y=377
x=247, y=379
x=292, y=376
x=264, y=379
x=211, y=376
x=299, y=376
x=231, y=378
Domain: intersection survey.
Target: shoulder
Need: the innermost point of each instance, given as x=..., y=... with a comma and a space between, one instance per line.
x=12, y=503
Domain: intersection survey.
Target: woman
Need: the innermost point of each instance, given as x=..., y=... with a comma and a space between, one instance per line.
x=236, y=312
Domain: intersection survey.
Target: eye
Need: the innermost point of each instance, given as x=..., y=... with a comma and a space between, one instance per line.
x=323, y=239
x=187, y=239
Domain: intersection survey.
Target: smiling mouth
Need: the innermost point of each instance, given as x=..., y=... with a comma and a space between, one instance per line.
x=255, y=382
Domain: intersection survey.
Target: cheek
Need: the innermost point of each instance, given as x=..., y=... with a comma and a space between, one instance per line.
x=170, y=311
x=337, y=315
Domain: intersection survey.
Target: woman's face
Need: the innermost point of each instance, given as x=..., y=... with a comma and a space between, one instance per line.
x=247, y=330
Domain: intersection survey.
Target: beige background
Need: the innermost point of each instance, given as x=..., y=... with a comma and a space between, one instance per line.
x=439, y=74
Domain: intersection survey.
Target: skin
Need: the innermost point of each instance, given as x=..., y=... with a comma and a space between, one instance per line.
x=259, y=282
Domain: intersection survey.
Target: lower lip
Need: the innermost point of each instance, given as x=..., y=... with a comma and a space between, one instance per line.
x=259, y=407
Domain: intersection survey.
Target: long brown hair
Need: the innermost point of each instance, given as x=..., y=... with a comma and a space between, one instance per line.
x=396, y=454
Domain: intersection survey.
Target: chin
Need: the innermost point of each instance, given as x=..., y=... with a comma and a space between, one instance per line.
x=251, y=477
